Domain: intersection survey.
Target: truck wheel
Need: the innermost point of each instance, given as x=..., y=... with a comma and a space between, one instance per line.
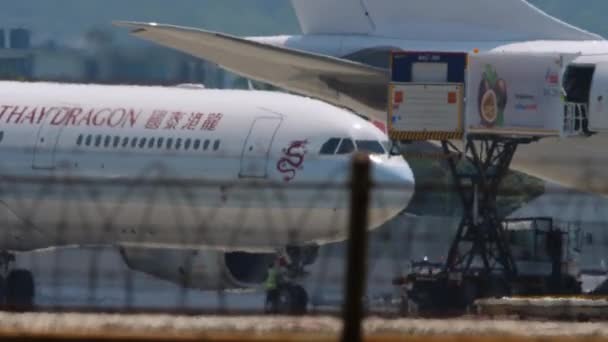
x=469, y=292
x=498, y=288
x=408, y=307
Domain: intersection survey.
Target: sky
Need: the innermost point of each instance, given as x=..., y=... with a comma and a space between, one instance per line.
x=67, y=20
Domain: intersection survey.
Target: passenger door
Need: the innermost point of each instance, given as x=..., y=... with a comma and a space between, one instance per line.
x=598, y=99
x=46, y=144
x=256, y=151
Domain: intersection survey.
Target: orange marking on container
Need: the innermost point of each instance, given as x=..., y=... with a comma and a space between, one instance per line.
x=399, y=96
x=452, y=98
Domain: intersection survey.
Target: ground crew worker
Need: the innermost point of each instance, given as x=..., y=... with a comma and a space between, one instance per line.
x=272, y=286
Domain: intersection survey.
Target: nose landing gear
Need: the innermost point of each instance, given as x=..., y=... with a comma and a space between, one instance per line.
x=287, y=299
x=284, y=294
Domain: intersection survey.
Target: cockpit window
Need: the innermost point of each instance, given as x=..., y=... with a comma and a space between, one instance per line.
x=330, y=146
x=370, y=146
x=392, y=148
x=346, y=147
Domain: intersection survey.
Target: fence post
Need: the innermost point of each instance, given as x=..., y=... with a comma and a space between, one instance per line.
x=354, y=287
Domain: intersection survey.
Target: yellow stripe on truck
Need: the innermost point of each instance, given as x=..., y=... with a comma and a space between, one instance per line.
x=426, y=135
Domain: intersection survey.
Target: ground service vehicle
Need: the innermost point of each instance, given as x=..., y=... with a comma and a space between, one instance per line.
x=546, y=260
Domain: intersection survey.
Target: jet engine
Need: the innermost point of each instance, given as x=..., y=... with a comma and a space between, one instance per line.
x=200, y=269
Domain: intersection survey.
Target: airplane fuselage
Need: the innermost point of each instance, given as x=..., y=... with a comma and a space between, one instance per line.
x=232, y=170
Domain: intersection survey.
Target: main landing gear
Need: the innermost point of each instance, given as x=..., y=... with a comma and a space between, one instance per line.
x=284, y=294
x=17, y=289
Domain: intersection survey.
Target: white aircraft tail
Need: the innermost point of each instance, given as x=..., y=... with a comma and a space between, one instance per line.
x=470, y=20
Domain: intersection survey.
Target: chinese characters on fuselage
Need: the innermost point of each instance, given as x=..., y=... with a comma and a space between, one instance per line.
x=108, y=117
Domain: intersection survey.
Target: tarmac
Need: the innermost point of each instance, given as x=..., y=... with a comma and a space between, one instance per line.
x=252, y=328
x=96, y=279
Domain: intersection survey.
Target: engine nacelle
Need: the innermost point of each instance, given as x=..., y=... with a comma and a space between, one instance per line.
x=200, y=269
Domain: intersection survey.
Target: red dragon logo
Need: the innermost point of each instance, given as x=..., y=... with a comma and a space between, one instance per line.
x=292, y=159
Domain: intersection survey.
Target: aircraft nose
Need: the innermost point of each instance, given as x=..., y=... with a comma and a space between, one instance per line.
x=393, y=188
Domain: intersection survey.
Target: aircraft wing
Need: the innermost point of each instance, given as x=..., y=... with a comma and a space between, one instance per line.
x=330, y=79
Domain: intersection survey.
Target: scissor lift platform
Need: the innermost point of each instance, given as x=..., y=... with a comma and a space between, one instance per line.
x=478, y=108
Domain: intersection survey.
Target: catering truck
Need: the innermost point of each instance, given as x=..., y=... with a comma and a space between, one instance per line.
x=478, y=108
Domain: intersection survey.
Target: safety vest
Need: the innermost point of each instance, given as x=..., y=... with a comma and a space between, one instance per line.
x=272, y=279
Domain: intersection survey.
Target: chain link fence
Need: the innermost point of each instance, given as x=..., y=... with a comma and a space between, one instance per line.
x=154, y=245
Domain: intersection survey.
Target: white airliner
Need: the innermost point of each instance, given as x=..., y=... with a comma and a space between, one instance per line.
x=342, y=57
x=232, y=171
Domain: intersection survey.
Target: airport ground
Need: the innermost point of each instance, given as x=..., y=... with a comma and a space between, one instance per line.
x=98, y=279
x=94, y=327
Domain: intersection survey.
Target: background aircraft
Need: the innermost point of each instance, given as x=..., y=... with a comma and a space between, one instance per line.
x=342, y=57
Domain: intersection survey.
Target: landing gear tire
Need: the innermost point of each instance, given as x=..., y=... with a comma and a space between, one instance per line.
x=19, y=290
x=300, y=302
x=289, y=299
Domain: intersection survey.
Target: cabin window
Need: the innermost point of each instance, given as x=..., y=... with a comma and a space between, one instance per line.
x=169, y=143
x=370, y=146
x=187, y=144
x=197, y=144
x=125, y=142
x=142, y=142
x=116, y=141
x=216, y=145
x=2, y=136
x=88, y=140
x=78, y=141
x=107, y=141
x=330, y=146
x=206, y=145
x=98, y=140
x=151, y=143
x=159, y=142
x=178, y=143
x=134, y=143
x=346, y=147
